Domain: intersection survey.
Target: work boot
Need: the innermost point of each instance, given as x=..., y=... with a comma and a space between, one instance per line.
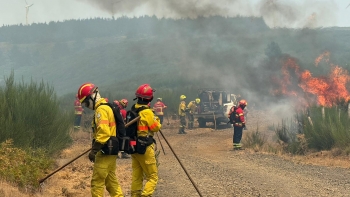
x=180, y=131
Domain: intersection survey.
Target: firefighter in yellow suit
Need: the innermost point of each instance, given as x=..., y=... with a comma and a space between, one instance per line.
x=182, y=114
x=192, y=106
x=104, y=126
x=144, y=165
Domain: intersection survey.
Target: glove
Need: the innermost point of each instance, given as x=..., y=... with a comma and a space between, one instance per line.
x=94, y=150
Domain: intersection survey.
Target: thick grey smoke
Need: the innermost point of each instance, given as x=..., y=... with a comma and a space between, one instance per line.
x=276, y=13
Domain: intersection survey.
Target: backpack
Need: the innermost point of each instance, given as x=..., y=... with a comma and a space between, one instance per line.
x=233, y=112
x=131, y=130
x=112, y=146
x=129, y=143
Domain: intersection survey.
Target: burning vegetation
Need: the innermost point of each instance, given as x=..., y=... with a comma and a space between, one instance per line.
x=325, y=90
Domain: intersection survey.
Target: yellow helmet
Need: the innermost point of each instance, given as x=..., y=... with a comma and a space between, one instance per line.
x=198, y=100
x=182, y=97
x=159, y=99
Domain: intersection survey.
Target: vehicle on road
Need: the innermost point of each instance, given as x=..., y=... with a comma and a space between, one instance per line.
x=214, y=107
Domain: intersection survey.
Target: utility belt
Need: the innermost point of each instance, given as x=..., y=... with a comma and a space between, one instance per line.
x=111, y=147
x=138, y=145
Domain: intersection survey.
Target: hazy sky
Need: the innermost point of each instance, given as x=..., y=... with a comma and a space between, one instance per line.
x=288, y=13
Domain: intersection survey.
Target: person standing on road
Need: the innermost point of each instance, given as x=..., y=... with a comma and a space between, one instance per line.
x=104, y=126
x=78, y=111
x=182, y=114
x=122, y=105
x=238, y=125
x=144, y=164
x=192, y=106
x=158, y=108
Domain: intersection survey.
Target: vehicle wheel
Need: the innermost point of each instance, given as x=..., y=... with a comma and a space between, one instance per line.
x=201, y=123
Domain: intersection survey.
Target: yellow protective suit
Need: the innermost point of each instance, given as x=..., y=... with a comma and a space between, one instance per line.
x=103, y=174
x=145, y=164
x=192, y=106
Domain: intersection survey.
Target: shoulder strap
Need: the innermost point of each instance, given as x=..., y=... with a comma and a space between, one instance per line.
x=118, y=119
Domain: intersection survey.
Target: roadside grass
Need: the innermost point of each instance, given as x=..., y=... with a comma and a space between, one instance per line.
x=23, y=168
x=254, y=140
x=320, y=129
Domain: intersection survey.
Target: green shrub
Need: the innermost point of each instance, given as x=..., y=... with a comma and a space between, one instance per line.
x=32, y=118
x=254, y=139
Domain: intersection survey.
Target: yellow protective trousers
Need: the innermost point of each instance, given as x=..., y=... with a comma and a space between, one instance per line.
x=144, y=167
x=104, y=175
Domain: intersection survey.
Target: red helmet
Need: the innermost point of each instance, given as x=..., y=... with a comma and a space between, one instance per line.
x=124, y=103
x=85, y=90
x=144, y=91
x=243, y=102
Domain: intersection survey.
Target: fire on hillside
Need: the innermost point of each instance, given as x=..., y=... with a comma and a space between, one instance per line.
x=323, y=90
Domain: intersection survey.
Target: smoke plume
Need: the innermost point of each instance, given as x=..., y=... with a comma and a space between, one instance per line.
x=276, y=13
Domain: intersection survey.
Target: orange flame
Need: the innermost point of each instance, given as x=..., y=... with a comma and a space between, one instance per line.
x=326, y=89
x=325, y=55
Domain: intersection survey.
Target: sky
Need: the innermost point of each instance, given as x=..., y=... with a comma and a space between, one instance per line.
x=276, y=13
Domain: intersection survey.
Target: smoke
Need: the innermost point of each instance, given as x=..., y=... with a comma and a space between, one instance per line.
x=308, y=14
x=276, y=13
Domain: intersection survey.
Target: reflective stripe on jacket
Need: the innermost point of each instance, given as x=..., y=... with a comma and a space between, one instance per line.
x=148, y=123
x=105, y=125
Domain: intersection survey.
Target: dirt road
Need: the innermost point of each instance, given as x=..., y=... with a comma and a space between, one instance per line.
x=219, y=171
x=216, y=170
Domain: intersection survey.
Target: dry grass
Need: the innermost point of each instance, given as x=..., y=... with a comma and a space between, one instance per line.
x=74, y=179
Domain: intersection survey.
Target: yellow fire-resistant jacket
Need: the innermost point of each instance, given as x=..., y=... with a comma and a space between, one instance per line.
x=104, y=123
x=192, y=106
x=182, y=108
x=148, y=123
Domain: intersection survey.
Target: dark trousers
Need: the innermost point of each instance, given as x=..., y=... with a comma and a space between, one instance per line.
x=237, y=134
x=77, y=120
x=161, y=118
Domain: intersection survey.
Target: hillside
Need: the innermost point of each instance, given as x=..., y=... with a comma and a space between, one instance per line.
x=160, y=51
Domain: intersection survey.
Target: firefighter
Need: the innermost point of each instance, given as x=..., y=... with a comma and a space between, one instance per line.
x=238, y=125
x=158, y=108
x=192, y=106
x=78, y=111
x=144, y=165
x=104, y=126
x=123, y=104
x=182, y=114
